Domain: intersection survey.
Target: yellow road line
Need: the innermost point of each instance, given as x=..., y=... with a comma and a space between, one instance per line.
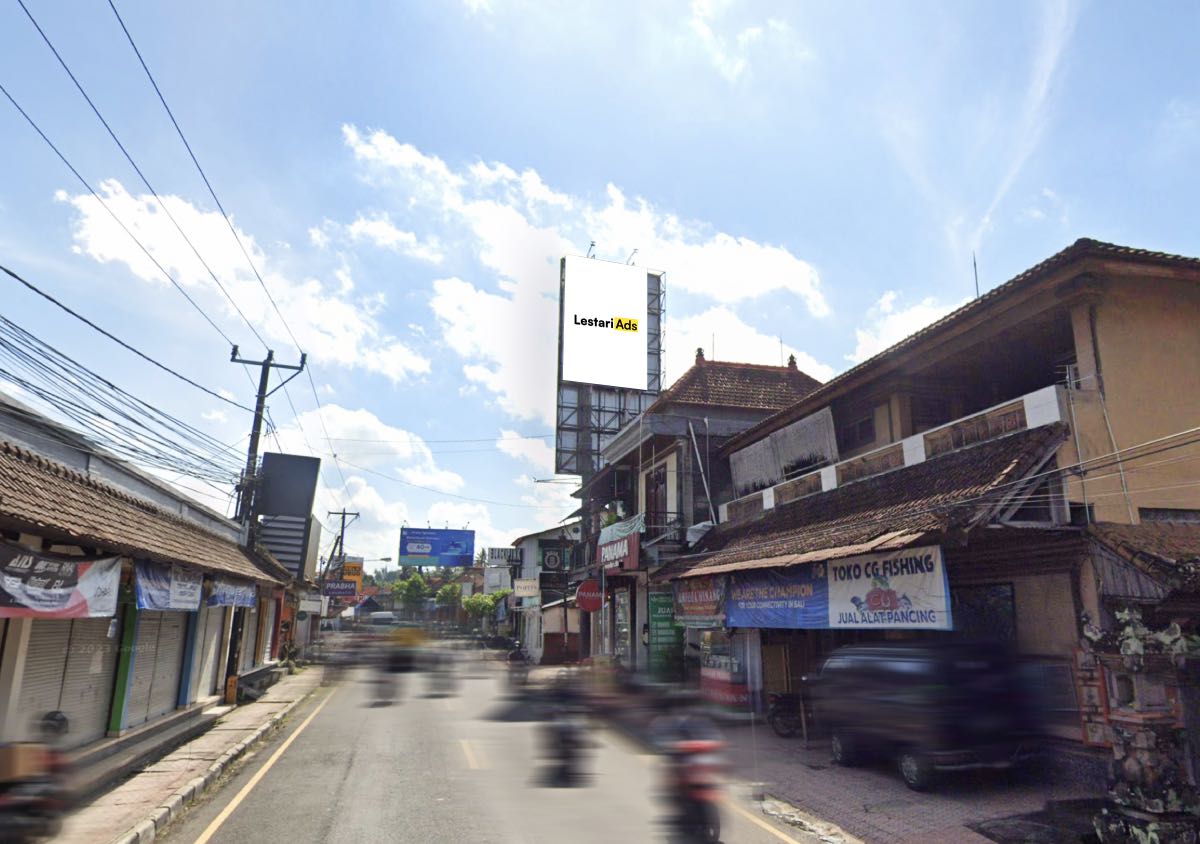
x=759, y=821
x=259, y=774
x=472, y=763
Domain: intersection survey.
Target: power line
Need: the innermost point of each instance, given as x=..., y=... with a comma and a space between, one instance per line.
x=417, y=440
x=162, y=205
x=451, y=494
x=113, y=214
x=121, y=342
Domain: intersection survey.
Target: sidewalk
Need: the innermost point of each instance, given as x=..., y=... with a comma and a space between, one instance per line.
x=147, y=801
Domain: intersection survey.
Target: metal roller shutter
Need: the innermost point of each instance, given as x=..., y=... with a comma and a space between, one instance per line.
x=210, y=626
x=168, y=664
x=249, y=640
x=45, y=666
x=144, y=650
x=91, y=672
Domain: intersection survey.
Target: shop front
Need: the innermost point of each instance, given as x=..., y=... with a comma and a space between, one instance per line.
x=619, y=560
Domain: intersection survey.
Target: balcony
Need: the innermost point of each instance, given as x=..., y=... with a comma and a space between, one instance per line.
x=1041, y=407
x=663, y=527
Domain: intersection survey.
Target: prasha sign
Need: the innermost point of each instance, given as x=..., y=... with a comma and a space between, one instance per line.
x=620, y=553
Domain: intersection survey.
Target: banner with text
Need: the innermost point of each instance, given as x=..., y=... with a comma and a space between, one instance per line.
x=902, y=590
x=42, y=585
x=232, y=593
x=434, y=547
x=700, y=601
x=163, y=587
x=791, y=598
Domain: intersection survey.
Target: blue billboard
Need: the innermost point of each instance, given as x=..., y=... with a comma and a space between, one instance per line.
x=794, y=598
x=433, y=547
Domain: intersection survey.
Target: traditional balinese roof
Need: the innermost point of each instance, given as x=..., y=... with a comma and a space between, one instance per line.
x=722, y=383
x=955, y=490
x=45, y=498
x=1167, y=551
x=1082, y=251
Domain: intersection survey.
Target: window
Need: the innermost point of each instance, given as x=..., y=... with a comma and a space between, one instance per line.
x=1168, y=514
x=984, y=613
x=858, y=433
x=929, y=412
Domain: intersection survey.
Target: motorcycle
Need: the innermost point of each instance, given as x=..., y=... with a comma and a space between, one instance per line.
x=518, y=667
x=783, y=714
x=694, y=787
x=566, y=745
x=33, y=807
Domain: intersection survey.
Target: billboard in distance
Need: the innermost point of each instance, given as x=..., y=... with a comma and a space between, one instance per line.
x=434, y=547
x=604, y=323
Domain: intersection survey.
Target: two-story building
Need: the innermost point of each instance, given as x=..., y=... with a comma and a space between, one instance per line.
x=661, y=484
x=1023, y=465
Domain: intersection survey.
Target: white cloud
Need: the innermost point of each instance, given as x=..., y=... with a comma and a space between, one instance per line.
x=329, y=324
x=886, y=325
x=538, y=453
x=735, y=340
x=214, y=415
x=318, y=238
x=519, y=227
x=380, y=231
x=728, y=48
x=363, y=441
x=458, y=515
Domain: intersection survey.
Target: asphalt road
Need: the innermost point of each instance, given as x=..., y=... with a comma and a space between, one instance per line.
x=429, y=768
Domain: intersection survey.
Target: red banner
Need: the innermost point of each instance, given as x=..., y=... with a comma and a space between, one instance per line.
x=34, y=584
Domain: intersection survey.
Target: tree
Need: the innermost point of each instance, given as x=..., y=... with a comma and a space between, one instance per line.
x=411, y=592
x=481, y=558
x=449, y=595
x=484, y=606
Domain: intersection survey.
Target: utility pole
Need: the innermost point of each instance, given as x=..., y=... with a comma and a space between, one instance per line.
x=247, y=484
x=339, y=547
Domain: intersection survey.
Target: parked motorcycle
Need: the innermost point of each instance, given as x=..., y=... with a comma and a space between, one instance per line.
x=783, y=714
x=32, y=807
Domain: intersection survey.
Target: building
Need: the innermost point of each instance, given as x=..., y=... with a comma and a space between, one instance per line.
x=547, y=625
x=1022, y=470
x=125, y=604
x=660, y=487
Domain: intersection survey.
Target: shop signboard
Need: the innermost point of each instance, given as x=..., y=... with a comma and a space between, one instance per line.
x=233, y=593
x=505, y=556
x=588, y=596
x=554, y=581
x=341, y=588
x=43, y=585
x=792, y=598
x=900, y=590
x=310, y=605
x=666, y=637
x=604, y=323
x=435, y=547
x=163, y=587
x=700, y=601
x=527, y=587
x=620, y=553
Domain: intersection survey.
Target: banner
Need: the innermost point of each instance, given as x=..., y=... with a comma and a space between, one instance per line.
x=619, y=530
x=434, y=547
x=527, y=587
x=700, y=601
x=232, y=593
x=792, y=598
x=41, y=585
x=901, y=590
x=341, y=588
x=163, y=587
x=666, y=637
x=621, y=553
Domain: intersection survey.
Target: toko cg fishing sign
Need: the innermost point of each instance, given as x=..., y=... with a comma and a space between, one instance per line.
x=900, y=590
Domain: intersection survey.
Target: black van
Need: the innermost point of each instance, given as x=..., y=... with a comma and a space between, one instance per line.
x=931, y=706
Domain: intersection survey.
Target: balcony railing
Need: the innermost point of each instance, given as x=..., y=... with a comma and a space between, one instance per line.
x=1038, y=408
x=667, y=527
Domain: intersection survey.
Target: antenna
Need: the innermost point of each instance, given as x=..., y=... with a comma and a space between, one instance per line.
x=591, y=253
x=629, y=260
x=781, y=360
x=975, y=267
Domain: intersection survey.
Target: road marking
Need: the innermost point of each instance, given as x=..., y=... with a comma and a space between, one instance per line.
x=259, y=774
x=759, y=821
x=472, y=763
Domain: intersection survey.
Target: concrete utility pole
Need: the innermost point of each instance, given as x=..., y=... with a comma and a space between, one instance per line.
x=247, y=484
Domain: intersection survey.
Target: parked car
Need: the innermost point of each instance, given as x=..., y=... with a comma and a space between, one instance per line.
x=931, y=706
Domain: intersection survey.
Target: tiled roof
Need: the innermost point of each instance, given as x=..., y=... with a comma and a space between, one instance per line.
x=720, y=383
x=46, y=498
x=1167, y=551
x=1082, y=248
x=948, y=491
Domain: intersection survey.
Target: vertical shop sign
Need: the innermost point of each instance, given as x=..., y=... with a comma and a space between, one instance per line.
x=666, y=637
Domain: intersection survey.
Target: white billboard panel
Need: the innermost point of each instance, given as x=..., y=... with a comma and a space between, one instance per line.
x=604, y=324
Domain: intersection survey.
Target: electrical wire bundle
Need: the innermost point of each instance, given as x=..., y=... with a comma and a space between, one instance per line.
x=107, y=415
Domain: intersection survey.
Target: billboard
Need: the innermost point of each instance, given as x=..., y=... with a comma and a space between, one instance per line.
x=604, y=326
x=608, y=373
x=434, y=547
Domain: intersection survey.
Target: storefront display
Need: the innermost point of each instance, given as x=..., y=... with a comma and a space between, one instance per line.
x=723, y=670
x=622, y=628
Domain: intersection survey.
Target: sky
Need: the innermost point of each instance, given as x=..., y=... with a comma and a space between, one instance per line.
x=814, y=179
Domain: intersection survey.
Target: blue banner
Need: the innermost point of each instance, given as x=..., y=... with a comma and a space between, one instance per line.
x=793, y=598
x=433, y=547
x=230, y=593
x=163, y=587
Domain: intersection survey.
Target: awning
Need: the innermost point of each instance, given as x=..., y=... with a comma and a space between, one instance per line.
x=886, y=542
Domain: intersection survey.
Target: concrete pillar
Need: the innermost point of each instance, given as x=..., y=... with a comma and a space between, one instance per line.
x=12, y=669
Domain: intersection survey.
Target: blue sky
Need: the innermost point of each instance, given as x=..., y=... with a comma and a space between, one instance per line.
x=408, y=175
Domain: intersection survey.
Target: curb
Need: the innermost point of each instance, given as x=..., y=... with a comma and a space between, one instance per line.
x=144, y=831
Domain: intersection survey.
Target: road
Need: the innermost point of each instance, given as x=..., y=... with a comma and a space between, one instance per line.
x=429, y=768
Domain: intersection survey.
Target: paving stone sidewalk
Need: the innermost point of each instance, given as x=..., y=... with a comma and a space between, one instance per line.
x=147, y=801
